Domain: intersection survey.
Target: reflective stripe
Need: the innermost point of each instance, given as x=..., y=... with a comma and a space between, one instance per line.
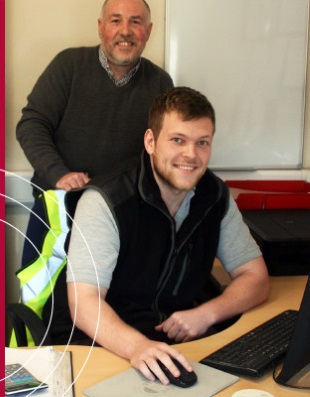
x=38, y=276
x=37, y=303
x=41, y=279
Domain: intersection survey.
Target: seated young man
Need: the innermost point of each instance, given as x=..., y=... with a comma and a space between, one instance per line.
x=144, y=241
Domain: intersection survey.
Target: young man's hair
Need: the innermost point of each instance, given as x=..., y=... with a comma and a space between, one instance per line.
x=187, y=102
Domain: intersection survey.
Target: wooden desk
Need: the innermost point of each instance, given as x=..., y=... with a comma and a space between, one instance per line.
x=93, y=365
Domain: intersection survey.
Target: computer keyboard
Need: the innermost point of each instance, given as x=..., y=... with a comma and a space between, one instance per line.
x=254, y=353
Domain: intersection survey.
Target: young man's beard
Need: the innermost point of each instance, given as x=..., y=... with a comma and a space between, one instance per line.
x=168, y=180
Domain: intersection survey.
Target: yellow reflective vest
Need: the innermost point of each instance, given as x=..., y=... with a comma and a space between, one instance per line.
x=37, y=279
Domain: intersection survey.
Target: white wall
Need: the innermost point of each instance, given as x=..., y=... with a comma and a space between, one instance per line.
x=37, y=29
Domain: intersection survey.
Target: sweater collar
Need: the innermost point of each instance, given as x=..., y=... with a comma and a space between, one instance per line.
x=125, y=79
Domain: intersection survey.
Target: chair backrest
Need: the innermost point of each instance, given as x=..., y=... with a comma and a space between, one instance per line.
x=24, y=323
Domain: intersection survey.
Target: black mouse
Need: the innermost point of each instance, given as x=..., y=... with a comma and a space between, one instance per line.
x=186, y=379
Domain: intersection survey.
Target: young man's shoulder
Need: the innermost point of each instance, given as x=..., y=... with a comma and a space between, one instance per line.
x=122, y=178
x=211, y=178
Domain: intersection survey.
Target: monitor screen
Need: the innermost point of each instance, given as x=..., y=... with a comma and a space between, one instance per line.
x=295, y=371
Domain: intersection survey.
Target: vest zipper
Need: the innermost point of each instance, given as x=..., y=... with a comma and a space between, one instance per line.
x=185, y=265
x=170, y=264
x=172, y=259
x=165, y=276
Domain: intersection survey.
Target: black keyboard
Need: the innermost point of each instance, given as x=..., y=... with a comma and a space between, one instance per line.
x=254, y=353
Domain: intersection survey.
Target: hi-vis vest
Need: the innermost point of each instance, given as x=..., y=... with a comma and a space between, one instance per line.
x=37, y=279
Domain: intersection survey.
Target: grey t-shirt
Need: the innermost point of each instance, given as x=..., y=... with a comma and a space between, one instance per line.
x=94, y=244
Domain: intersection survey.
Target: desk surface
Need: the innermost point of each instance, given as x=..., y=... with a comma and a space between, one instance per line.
x=93, y=365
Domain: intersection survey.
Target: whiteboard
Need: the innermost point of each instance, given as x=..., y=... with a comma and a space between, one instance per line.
x=249, y=58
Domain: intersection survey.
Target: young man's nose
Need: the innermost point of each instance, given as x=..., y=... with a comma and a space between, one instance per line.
x=190, y=150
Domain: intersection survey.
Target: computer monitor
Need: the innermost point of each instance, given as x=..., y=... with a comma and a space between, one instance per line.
x=295, y=371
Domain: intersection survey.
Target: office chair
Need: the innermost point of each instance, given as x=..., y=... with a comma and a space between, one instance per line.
x=21, y=318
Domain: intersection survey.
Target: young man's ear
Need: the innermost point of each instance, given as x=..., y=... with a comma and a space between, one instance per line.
x=149, y=141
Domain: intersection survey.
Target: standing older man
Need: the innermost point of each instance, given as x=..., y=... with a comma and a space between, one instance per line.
x=87, y=113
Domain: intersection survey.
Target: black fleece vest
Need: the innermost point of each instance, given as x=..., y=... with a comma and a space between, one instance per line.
x=159, y=270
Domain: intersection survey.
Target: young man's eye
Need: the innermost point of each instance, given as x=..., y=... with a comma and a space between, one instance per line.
x=177, y=140
x=204, y=143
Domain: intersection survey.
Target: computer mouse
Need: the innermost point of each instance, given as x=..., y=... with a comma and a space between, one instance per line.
x=186, y=379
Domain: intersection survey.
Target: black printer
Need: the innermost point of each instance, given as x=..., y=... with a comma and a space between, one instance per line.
x=283, y=236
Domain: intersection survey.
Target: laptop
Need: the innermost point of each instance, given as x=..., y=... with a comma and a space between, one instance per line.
x=295, y=371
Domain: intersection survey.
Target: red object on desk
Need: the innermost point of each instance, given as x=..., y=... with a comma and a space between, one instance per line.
x=271, y=194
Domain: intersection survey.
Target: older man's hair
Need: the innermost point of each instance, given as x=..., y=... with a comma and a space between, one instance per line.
x=106, y=1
